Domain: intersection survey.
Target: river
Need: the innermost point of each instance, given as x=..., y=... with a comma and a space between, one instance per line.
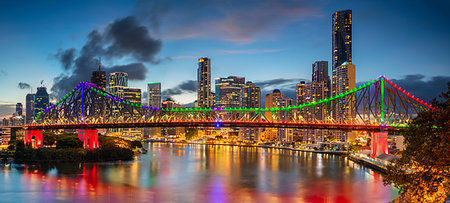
x=199, y=173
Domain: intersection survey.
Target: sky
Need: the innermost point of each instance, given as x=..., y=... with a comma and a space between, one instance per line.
x=272, y=43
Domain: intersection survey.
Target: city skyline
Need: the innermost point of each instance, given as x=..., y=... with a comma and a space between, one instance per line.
x=284, y=80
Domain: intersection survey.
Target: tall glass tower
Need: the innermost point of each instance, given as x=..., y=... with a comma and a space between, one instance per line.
x=342, y=37
x=204, y=96
x=99, y=76
x=41, y=100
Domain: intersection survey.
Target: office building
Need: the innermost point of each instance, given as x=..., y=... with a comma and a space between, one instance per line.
x=342, y=37
x=229, y=92
x=29, y=108
x=251, y=97
x=204, y=96
x=99, y=77
x=117, y=81
x=154, y=94
x=344, y=110
x=41, y=100
x=276, y=99
x=19, y=109
x=132, y=94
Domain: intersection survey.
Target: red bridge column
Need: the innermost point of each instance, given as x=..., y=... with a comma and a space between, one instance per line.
x=379, y=143
x=38, y=137
x=89, y=137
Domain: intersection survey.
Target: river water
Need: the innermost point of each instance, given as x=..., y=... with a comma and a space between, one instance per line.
x=199, y=173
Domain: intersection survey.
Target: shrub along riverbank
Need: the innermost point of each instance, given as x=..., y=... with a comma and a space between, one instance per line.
x=67, y=147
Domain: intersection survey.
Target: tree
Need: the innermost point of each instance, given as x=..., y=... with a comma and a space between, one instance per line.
x=422, y=173
x=68, y=141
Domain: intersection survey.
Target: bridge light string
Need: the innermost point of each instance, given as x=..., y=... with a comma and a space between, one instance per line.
x=108, y=95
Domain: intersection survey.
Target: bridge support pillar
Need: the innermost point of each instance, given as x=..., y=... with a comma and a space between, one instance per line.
x=38, y=138
x=89, y=137
x=379, y=143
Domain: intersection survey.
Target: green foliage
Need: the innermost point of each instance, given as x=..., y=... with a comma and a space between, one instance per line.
x=49, y=138
x=136, y=144
x=69, y=141
x=422, y=173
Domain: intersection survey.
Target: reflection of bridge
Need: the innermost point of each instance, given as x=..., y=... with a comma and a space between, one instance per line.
x=378, y=105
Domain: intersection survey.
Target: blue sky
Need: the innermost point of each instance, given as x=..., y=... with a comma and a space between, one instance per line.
x=261, y=40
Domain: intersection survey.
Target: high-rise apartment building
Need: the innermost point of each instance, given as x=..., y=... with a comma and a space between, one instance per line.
x=99, y=77
x=342, y=37
x=154, y=94
x=117, y=81
x=345, y=110
x=41, y=100
x=229, y=92
x=29, y=108
x=132, y=94
x=204, y=96
x=276, y=99
x=251, y=97
x=19, y=109
x=320, y=75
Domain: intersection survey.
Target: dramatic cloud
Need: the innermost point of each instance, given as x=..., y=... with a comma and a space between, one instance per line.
x=124, y=38
x=237, y=21
x=66, y=57
x=23, y=85
x=188, y=86
x=424, y=89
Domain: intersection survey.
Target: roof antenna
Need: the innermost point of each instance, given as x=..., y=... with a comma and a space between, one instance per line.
x=99, y=62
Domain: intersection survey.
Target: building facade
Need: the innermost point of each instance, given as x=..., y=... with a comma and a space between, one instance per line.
x=19, y=109
x=251, y=98
x=204, y=96
x=99, y=77
x=154, y=94
x=342, y=37
x=117, y=81
x=41, y=100
x=29, y=108
x=229, y=92
x=344, y=80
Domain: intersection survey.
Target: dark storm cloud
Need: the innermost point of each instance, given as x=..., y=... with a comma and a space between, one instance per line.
x=23, y=85
x=128, y=37
x=136, y=71
x=123, y=38
x=188, y=86
x=424, y=89
x=66, y=57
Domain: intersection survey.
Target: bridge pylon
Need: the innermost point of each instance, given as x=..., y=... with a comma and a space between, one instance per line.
x=89, y=137
x=38, y=138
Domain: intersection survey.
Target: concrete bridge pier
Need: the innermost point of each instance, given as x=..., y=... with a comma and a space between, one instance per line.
x=89, y=137
x=38, y=138
x=379, y=143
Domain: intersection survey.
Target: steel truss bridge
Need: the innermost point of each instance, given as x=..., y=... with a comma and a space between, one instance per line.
x=378, y=105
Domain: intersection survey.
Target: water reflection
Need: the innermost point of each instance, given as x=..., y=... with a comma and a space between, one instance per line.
x=200, y=173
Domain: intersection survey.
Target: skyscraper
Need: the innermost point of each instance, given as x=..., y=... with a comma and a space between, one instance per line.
x=117, y=81
x=29, y=108
x=154, y=94
x=320, y=75
x=342, y=37
x=19, y=108
x=229, y=92
x=99, y=76
x=204, y=96
x=41, y=100
x=345, y=110
x=251, y=96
